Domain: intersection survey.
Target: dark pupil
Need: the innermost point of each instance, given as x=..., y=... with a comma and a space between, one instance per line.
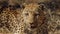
x=37, y=14
x=26, y=14
x=42, y=7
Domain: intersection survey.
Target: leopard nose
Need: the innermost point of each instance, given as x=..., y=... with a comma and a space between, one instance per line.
x=33, y=25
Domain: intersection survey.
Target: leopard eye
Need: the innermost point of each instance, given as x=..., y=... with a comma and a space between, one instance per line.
x=26, y=14
x=37, y=14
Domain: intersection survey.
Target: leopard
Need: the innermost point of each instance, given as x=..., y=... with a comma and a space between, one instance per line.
x=29, y=20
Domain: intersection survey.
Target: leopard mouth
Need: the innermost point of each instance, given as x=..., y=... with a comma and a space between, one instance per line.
x=33, y=26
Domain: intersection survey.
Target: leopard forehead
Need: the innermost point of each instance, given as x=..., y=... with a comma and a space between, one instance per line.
x=31, y=7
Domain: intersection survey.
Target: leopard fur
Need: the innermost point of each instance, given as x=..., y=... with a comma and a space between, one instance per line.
x=30, y=20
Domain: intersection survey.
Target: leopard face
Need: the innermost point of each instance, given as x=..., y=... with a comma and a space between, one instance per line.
x=32, y=17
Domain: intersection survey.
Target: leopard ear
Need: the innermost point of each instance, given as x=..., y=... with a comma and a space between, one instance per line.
x=24, y=5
